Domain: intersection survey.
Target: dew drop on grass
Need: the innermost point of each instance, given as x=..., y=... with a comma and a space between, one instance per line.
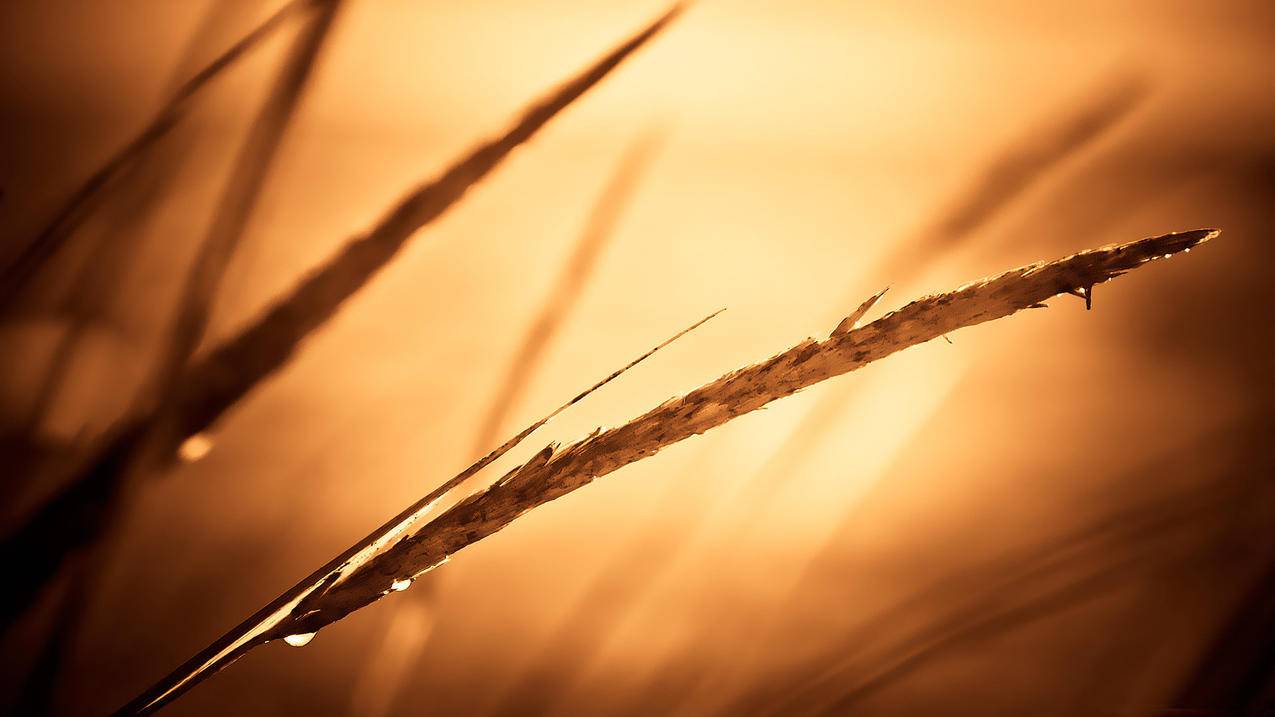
x=194, y=447
x=300, y=640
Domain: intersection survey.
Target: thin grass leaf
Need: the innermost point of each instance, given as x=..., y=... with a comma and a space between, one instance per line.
x=15, y=276
x=851, y=321
x=566, y=292
x=253, y=631
x=554, y=472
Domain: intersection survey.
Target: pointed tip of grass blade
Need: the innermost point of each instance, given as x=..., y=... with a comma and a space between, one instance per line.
x=848, y=323
x=1181, y=241
x=635, y=362
x=1151, y=249
x=1205, y=234
x=1175, y=242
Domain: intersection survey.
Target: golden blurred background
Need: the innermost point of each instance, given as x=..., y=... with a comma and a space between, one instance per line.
x=1064, y=512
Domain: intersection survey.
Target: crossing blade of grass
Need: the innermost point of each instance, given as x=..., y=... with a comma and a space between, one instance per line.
x=554, y=472
x=203, y=392
x=566, y=292
x=80, y=515
x=252, y=631
x=139, y=189
x=242, y=362
x=15, y=276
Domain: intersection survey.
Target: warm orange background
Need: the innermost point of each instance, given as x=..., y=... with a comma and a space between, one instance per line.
x=802, y=140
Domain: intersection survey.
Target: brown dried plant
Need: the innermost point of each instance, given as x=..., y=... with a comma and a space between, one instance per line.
x=334, y=592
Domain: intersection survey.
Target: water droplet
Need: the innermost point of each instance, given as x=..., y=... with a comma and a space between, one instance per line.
x=194, y=448
x=401, y=584
x=300, y=640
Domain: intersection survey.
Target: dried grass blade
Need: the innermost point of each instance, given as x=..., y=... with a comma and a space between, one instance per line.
x=553, y=473
x=256, y=629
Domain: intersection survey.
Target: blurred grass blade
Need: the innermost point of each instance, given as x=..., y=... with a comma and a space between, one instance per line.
x=15, y=276
x=1021, y=165
x=139, y=189
x=566, y=292
x=242, y=192
x=238, y=365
